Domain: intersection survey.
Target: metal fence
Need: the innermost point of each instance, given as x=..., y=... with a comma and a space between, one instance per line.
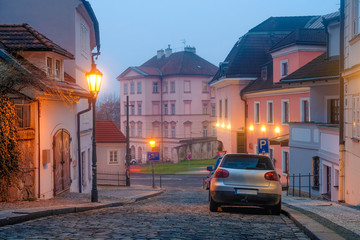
x=114, y=179
x=303, y=185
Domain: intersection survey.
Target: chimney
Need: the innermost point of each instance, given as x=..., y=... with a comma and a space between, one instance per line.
x=168, y=51
x=160, y=53
x=190, y=49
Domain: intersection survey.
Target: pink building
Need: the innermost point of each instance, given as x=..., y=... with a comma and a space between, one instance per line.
x=170, y=100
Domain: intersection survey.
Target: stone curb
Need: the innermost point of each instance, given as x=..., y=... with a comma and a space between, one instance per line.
x=311, y=228
x=66, y=210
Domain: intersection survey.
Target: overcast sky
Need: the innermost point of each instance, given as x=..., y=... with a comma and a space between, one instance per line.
x=131, y=31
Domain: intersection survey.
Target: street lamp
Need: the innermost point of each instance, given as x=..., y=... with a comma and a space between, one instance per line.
x=94, y=78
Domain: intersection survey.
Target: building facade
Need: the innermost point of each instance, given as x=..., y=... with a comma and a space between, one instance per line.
x=170, y=101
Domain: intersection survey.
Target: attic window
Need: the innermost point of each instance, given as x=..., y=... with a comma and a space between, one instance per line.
x=57, y=69
x=264, y=73
x=49, y=66
x=284, y=68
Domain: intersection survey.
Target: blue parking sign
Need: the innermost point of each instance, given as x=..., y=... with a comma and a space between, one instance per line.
x=263, y=145
x=153, y=156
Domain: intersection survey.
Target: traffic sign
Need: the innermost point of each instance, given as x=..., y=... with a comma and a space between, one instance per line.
x=263, y=145
x=221, y=153
x=153, y=156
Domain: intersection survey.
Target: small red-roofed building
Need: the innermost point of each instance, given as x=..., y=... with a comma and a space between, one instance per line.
x=111, y=150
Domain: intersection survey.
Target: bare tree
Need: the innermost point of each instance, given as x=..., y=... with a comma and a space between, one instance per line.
x=108, y=108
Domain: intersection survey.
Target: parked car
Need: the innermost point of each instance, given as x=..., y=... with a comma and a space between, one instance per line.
x=211, y=170
x=248, y=180
x=133, y=161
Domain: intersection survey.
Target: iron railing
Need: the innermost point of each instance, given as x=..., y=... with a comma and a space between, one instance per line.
x=115, y=179
x=298, y=182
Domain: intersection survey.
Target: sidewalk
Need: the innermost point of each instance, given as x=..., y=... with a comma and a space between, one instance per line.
x=109, y=196
x=322, y=219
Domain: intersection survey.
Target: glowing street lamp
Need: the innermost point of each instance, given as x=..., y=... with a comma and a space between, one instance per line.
x=263, y=128
x=94, y=78
x=229, y=126
x=277, y=130
x=251, y=128
x=152, y=143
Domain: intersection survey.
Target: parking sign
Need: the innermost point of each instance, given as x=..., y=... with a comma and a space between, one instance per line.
x=263, y=145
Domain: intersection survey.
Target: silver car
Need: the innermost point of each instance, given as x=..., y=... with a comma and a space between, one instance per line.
x=248, y=180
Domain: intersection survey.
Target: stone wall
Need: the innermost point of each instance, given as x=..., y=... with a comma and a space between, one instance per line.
x=203, y=148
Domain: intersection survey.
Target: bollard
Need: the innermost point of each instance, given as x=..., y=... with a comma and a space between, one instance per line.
x=160, y=181
x=299, y=184
x=309, y=186
x=287, y=185
x=294, y=184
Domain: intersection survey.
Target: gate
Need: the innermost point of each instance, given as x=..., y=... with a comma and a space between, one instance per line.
x=61, y=161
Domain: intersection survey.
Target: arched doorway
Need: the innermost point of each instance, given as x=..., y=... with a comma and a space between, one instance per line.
x=61, y=161
x=139, y=154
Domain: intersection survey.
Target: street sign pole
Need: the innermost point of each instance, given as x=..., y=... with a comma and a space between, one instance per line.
x=153, y=174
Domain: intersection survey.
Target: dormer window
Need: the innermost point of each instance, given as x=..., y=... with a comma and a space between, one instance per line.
x=264, y=73
x=49, y=65
x=57, y=69
x=284, y=68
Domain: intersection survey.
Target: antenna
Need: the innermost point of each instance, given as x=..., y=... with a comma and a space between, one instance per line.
x=184, y=42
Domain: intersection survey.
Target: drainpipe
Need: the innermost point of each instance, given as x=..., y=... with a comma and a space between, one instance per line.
x=245, y=117
x=39, y=165
x=341, y=196
x=78, y=141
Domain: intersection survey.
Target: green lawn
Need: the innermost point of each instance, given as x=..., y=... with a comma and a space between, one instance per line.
x=181, y=167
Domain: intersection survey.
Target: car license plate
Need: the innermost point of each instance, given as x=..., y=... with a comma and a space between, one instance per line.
x=246, y=191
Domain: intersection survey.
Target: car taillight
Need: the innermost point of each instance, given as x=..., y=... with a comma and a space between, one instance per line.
x=221, y=173
x=271, y=176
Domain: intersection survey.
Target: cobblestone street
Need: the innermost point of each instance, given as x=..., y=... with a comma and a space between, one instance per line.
x=177, y=214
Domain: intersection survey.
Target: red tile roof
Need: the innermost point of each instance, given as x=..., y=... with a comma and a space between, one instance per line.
x=25, y=38
x=178, y=63
x=108, y=132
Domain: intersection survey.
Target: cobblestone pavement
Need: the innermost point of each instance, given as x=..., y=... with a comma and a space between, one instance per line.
x=177, y=214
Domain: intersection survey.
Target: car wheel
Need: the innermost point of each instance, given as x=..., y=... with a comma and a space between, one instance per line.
x=213, y=205
x=276, y=210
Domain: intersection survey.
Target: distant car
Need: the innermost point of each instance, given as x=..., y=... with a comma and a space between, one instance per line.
x=133, y=161
x=211, y=169
x=248, y=180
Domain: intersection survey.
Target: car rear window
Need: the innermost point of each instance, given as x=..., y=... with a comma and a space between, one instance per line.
x=241, y=162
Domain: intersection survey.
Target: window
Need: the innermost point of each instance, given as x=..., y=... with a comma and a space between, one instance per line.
x=172, y=87
x=315, y=172
x=84, y=39
x=132, y=131
x=187, y=87
x=156, y=108
x=356, y=116
x=284, y=68
x=22, y=109
x=165, y=109
x=57, y=69
x=270, y=112
x=204, y=87
x=155, y=87
x=220, y=108
x=187, y=107
x=213, y=93
x=285, y=111
x=173, y=131
x=139, y=87
x=49, y=65
x=213, y=110
x=113, y=157
x=173, y=109
x=132, y=88
x=213, y=131
x=356, y=20
x=165, y=87
x=125, y=89
x=139, y=109
x=139, y=130
x=226, y=108
x=334, y=110
x=205, y=131
x=166, y=131
x=264, y=73
x=285, y=161
x=205, y=108
x=132, y=108
x=256, y=112
x=305, y=110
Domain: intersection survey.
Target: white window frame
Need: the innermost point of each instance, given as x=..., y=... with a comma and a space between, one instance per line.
x=110, y=154
x=205, y=131
x=125, y=89
x=302, y=100
x=132, y=88
x=268, y=113
x=139, y=128
x=282, y=72
x=173, y=132
x=256, y=113
x=139, y=87
x=356, y=117
x=172, y=87
x=283, y=154
x=173, y=108
x=155, y=87
x=166, y=109
x=283, y=111
x=166, y=131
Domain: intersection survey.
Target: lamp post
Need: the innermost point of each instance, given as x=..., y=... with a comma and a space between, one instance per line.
x=94, y=78
x=152, y=143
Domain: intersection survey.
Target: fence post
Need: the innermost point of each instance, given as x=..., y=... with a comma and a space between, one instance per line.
x=294, y=184
x=299, y=184
x=287, y=185
x=160, y=181
x=309, y=186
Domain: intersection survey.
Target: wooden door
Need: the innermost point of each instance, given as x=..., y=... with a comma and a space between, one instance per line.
x=328, y=180
x=241, y=142
x=61, y=161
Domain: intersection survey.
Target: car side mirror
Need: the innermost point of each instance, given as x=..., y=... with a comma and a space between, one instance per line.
x=209, y=168
x=279, y=176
